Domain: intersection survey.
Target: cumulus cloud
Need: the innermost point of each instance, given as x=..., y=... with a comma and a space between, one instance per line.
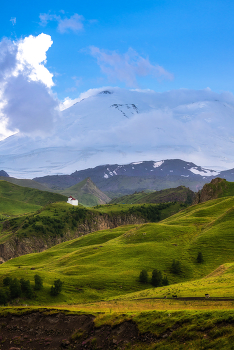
x=30, y=107
x=127, y=67
x=74, y=23
x=32, y=52
x=27, y=103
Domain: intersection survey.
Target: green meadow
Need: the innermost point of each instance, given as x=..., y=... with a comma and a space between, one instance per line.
x=106, y=264
x=100, y=274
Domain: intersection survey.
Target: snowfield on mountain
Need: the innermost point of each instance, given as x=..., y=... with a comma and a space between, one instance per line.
x=128, y=126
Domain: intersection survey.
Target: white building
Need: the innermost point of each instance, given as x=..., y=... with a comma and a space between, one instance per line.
x=72, y=201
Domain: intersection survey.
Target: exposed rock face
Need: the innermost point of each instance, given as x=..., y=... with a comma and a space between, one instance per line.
x=210, y=191
x=17, y=247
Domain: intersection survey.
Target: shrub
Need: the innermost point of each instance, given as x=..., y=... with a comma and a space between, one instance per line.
x=156, y=280
x=38, y=282
x=56, y=288
x=143, y=278
x=176, y=267
x=200, y=258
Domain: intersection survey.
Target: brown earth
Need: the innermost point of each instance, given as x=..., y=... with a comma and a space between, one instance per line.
x=40, y=330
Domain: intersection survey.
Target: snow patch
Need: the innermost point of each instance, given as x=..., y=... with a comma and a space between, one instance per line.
x=106, y=176
x=185, y=175
x=158, y=164
x=137, y=163
x=204, y=172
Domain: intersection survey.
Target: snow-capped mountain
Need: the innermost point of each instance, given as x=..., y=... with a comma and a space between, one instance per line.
x=123, y=126
x=139, y=176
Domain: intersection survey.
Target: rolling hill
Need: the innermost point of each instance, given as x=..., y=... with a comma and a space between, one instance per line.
x=18, y=200
x=106, y=264
x=178, y=194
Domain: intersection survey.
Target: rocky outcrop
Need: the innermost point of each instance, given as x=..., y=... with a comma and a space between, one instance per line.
x=210, y=191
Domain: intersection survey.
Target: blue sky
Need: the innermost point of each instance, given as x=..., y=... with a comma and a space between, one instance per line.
x=164, y=45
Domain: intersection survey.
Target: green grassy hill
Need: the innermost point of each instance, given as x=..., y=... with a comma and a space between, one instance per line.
x=106, y=264
x=26, y=183
x=18, y=200
x=178, y=194
x=87, y=193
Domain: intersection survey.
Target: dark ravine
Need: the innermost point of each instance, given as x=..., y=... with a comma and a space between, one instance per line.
x=20, y=246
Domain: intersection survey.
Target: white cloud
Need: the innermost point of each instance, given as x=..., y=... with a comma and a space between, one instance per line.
x=13, y=20
x=74, y=23
x=127, y=67
x=27, y=103
x=32, y=52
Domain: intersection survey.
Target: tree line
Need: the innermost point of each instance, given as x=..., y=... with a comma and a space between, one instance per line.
x=158, y=280
x=15, y=288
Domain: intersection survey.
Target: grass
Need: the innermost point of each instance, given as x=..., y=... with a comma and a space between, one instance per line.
x=106, y=264
x=100, y=274
x=17, y=200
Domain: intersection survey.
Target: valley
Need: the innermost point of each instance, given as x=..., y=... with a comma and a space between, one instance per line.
x=98, y=253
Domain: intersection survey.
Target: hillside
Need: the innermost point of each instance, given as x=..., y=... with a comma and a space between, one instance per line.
x=60, y=222
x=118, y=180
x=102, y=302
x=179, y=194
x=106, y=264
x=87, y=193
x=18, y=200
x=26, y=183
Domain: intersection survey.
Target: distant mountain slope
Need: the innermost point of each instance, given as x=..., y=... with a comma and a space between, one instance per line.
x=117, y=180
x=26, y=183
x=179, y=194
x=3, y=173
x=87, y=193
x=28, y=195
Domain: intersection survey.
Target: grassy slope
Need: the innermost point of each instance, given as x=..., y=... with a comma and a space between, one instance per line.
x=180, y=193
x=26, y=183
x=87, y=193
x=57, y=219
x=106, y=264
x=17, y=200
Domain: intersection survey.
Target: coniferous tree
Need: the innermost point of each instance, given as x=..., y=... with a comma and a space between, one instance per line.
x=165, y=281
x=156, y=280
x=38, y=282
x=7, y=281
x=56, y=288
x=3, y=297
x=143, y=278
x=26, y=288
x=15, y=288
x=200, y=258
x=176, y=267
